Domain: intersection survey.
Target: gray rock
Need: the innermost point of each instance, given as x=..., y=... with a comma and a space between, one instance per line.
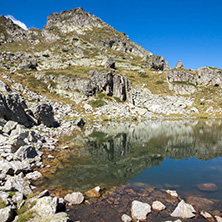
x=184, y=211
x=4, y=87
x=34, y=176
x=46, y=206
x=44, y=114
x=7, y=214
x=18, y=198
x=29, y=154
x=6, y=167
x=19, y=167
x=74, y=198
x=9, y=126
x=140, y=210
x=179, y=65
x=218, y=219
x=44, y=193
x=4, y=196
x=59, y=217
x=110, y=63
x=17, y=183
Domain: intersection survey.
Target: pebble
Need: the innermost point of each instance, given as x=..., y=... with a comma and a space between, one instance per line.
x=172, y=193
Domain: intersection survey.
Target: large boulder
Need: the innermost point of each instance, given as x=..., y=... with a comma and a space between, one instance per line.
x=29, y=154
x=44, y=114
x=46, y=206
x=74, y=198
x=16, y=183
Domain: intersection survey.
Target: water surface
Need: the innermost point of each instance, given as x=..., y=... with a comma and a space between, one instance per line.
x=167, y=154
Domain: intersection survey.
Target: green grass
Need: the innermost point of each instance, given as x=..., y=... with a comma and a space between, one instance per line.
x=26, y=216
x=2, y=204
x=159, y=82
x=97, y=103
x=184, y=83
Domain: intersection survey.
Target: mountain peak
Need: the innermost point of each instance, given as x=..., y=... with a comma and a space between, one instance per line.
x=67, y=21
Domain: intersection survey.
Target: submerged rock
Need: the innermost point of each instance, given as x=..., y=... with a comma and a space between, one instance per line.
x=206, y=215
x=95, y=192
x=140, y=210
x=209, y=187
x=184, y=210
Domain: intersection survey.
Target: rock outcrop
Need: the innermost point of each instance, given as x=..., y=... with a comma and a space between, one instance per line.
x=179, y=65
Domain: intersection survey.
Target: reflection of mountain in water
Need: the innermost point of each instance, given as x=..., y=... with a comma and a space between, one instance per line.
x=117, y=152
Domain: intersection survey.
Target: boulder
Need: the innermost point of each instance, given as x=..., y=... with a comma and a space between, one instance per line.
x=44, y=114
x=17, y=183
x=179, y=65
x=6, y=167
x=59, y=217
x=4, y=196
x=140, y=210
x=184, y=211
x=46, y=206
x=19, y=167
x=18, y=198
x=7, y=214
x=74, y=198
x=110, y=63
x=29, y=154
x=33, y=176
x=9, y=126
x=158, y=206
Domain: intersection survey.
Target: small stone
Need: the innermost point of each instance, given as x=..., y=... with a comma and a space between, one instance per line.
x=95, y=192
x=218, y=219
x=126, y=218
x=206, y=214
x=172, y=193
x=65, y=147
x=140, y=210
x=74, y=198
x=158, y=206
x=50, y=156
x=34, y=176
x=209, y=187
x=184, y=210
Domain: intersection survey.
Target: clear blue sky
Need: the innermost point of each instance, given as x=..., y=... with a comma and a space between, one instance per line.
x=186, y=30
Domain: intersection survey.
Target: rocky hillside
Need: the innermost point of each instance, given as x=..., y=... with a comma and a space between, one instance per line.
x=79, y=59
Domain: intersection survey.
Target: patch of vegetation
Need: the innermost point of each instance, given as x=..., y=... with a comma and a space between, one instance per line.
x=159, y=82
x=143, y=75
x=97, y=103
x=65, y=50
x=11, y=193
x=118, y=99
x=26, y=207
x=2, y=204
x=184, y=83
x=26, y=216
x=101, y=95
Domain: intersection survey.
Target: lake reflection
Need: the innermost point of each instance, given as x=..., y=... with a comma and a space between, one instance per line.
x=170, y=154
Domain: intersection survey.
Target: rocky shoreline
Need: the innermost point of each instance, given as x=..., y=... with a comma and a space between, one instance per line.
x=29, y=128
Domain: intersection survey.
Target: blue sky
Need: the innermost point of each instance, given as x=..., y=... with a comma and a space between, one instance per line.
x=186, y=30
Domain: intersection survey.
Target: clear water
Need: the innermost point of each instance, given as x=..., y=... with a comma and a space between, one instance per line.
x=167, y=154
